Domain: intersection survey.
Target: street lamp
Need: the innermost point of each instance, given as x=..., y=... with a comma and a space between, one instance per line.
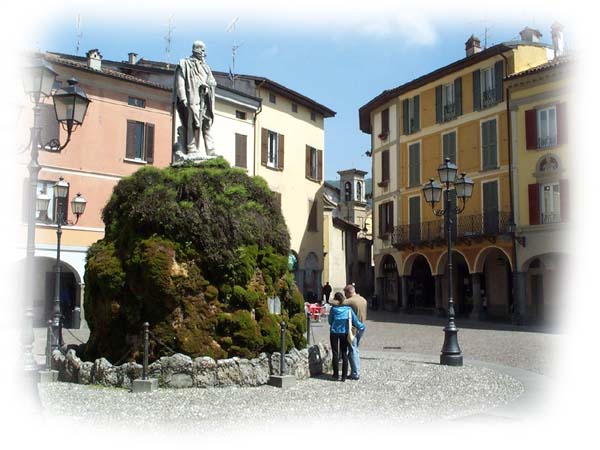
x=70, y=107
x=61, y=190
x=463, y=186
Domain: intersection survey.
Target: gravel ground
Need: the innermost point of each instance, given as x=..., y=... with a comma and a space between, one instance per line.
x=396, y=391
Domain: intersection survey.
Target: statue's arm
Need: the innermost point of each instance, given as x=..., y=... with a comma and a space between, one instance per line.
x=180, y=86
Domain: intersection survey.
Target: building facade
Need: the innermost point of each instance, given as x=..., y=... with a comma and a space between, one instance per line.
x=456, y=112
x=538, y=100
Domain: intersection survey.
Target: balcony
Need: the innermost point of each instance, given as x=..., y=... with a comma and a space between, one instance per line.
x=433, y=233
x=544, y=142
x=449, y=111
x=551, y=218
x=488, y=98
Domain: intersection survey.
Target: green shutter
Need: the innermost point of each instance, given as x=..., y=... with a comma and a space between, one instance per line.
x=485, y=138
x=416, y=113
x=405, y=116
x=449, y=147
x=493, y=143
x=499, y=74
x=438, y=104
x=458, y=96
x=414, y=165
x=476, y=90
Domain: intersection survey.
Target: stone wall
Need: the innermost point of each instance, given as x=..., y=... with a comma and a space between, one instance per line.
x=181, y=371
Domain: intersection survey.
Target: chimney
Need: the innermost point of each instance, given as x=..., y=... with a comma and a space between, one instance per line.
x=132, y=58
x=530, y=35
x=557, y=39
x=473, y=45
x=94, y=59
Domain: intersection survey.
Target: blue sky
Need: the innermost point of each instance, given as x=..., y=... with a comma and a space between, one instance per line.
x=339, y=59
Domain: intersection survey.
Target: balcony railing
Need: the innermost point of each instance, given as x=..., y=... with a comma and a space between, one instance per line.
x=486, y=225
x=449, y=111
x=549, y=141
x=488, y=97
x=551, y=218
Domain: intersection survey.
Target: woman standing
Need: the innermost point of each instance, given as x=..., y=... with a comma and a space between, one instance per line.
x=339, y=320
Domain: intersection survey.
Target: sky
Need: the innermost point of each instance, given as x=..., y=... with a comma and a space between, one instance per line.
x=339, y=60
x=341, y=54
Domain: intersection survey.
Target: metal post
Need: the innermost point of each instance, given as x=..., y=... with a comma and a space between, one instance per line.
x=56, y=315
x=49, y=346
x=145, y=366
x=451, y=355
x=34, y=169
x=282, y=355
x=307, y=329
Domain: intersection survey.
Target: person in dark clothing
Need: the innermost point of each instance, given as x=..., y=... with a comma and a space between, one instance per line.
x=339, y=318
x=327, y=291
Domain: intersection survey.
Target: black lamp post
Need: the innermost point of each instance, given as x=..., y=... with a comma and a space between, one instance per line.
x=70, y=107
x=463, y=186
x=61, y=190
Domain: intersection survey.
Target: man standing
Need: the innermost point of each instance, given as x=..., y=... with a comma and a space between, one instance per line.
x=359, y=305
x=194, y=97
x=327, y=291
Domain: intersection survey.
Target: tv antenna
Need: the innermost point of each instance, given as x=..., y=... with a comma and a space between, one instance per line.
x=168, y=39
x=231, y=29
x=79, y=33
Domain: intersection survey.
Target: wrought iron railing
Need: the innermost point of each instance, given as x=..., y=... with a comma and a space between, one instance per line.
x=488, y=97
x=489, y=224
x=449, y=111
x=549, y=141
x=551, y=218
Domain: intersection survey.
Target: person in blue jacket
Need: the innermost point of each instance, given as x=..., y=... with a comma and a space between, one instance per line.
x=338, y=333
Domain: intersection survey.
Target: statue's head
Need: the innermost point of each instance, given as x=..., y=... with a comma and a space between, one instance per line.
x=199, y=49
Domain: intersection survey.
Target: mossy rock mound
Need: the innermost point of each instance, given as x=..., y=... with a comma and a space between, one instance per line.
x=195, y=252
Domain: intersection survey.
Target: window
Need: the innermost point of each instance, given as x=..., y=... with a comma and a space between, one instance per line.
x=546, y=127
x=294, y=107
x=240, y=115
x=386, y=218
x=489, y=145
x=385, y=168
x=551, y=203
x=272, y=98
x=241, y=158
x=140, y=141
x=313, y=116
x=314, y=164
x=448, y=101
x=312, y=216
x=139, y=102
x=61, y=206
x=348, y=191
x=487, y=86
x=359, y=197
x=548, y=197
x=272, y=149
x=414, y=164
x=449, y=147
x=410, y=113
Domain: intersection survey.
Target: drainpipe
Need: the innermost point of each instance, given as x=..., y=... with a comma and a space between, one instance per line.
x=255, y=137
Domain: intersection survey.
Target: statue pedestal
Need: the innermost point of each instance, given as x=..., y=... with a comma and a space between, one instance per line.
x=187, y=159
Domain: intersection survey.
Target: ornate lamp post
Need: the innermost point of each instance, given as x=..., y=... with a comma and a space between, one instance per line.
x=61, y=190
x=70, y=105
x=463, y=186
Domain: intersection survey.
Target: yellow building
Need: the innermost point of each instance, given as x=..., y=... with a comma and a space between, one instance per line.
x=457, y=112
x=538, y=101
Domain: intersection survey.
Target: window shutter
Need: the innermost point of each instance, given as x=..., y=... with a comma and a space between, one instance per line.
x=385, y=121
x=390, y=217
x=319, y=165
x=307, y=162
x=458, y=96
x=534, y=204
x=438, y=104
x=499, y=72
x=280, y=150
x=264, y=146
x=381, y=219
x=131, y=143
x=150, y=143
x=241, y=146
x=564, y=200
x=414, y=165
x=561, y=123
x=531, y=134
x=485, y=145
x=476, y=91
x=405, y=116
x=493, y=144
x=416, y=110
x=385, y=165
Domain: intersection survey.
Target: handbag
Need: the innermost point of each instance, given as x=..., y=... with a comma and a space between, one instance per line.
x=350, y=334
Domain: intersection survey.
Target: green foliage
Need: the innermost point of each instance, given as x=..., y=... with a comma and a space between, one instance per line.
x=196, y=252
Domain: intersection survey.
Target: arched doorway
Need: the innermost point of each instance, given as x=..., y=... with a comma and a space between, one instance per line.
x=421, y=285
x=312, y=278
x=496, y=285
x=461, y=284
x=544, y=278
x=390, y=283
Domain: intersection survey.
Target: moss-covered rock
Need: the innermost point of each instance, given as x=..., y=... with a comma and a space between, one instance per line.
x=196, y=252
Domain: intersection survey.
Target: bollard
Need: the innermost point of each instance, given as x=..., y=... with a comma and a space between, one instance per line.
x=282, y=356
x=145, y=367
x=49, y=346
x=307, y=329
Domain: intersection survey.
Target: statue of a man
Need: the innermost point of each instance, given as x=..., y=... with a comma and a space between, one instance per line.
x=194, y=98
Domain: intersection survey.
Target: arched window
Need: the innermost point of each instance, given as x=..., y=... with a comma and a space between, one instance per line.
x=550, y=186
x=348, y=191
x=359, y=191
